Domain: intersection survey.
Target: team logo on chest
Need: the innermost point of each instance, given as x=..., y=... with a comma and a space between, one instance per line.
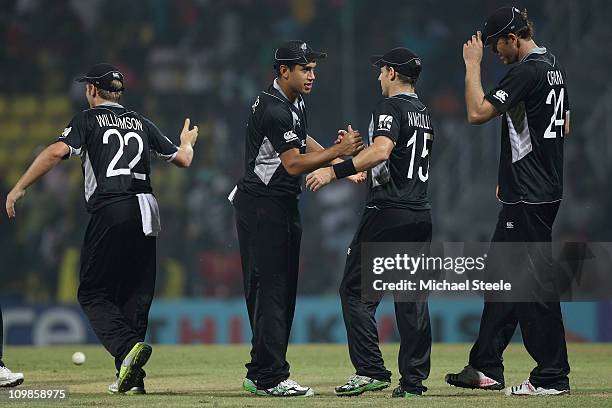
x=296, y=120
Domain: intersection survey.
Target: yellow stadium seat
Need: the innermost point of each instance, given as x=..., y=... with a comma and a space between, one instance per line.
x=3, y=106
x=10, y=131
x=41, y=132
x=4, y=155
x=24, y=107
x=56, y=107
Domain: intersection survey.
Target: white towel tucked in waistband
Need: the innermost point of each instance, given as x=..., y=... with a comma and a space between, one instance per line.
x=149, y=211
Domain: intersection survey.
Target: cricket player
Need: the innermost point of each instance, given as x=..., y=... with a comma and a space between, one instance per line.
x=7, y=377
x=533, y=102
x=397, y=210
x=118, y=257
x=278, y=150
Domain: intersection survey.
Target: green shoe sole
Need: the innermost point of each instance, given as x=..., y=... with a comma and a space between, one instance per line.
x=373, y=386
x=249, y=386
x=132, y=363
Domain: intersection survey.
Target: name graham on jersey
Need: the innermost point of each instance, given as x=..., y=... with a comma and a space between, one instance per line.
x=105, y=120
x=554, y=77
x=418, y=119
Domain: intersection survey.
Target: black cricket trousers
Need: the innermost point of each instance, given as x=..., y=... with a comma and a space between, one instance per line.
x=1, y=337
x=541, y=322
x=117, y=277
x=269, y=234
x=387, y=225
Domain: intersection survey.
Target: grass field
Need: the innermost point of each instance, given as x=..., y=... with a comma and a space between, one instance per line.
x=211, y=376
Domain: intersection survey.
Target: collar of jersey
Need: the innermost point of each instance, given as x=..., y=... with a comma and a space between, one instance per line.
x=410, y=94
x=296, y=103
x=113, y=104
x=536, y=50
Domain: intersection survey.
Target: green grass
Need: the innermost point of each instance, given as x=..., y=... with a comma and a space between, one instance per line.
x=211, y=376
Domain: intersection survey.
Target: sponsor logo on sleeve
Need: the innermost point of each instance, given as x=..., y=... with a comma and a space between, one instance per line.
x=384, y=122
x=501, y=95
x=290, y=136
x=66, y=132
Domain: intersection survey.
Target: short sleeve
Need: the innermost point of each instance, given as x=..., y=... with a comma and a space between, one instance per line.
x=278, y=127
x=566, y=102
x=75, y=135
x=160, y=145
x=386, y=120
x=512, y=89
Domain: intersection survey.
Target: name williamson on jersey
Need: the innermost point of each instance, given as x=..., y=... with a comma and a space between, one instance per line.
x=106, y=120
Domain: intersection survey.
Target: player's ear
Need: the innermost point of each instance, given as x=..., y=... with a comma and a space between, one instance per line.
x=513, y=38
x=392, y=73
x=284, y=71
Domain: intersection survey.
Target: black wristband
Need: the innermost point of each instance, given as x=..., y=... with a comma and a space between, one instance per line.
x=344, y=169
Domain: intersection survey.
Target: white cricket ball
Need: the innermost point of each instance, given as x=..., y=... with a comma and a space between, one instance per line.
x=78, y=358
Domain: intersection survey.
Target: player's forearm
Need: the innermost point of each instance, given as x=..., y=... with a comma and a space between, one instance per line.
x=305, y=163
x=474, y=94
x=44, y=162
x=369, y=157
x=313, y=146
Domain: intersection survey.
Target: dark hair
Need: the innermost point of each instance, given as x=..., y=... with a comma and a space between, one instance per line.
x=404, y=79
x=289, y=65
x=112, y=96
x=526, y=32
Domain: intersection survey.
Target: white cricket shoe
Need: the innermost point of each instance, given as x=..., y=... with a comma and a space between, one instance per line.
x=288, y=388
x=526, y=388
x=9, y=378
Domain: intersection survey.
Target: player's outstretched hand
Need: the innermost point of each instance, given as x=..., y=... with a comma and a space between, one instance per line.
x=472, y=49
x=350, y=142
x=319, y=178
x=359, y=177
x=189, y=135
x=11, y=199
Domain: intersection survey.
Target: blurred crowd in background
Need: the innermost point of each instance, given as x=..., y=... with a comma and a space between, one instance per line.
x=208, y=59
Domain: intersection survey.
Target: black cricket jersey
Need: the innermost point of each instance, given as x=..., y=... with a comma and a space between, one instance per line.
x=533, y=100
x=275, y=125
x=401, y=181
x=115, y=146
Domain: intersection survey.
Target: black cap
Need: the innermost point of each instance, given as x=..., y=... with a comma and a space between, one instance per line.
x=401, y=59
x=502, y=22
x=101, y=76
x=296, y=52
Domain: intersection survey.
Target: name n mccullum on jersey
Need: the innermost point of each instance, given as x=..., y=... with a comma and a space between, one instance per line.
x=401, y=181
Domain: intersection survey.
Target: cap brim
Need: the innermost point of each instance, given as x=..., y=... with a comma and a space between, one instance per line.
x=82, y=79
x=489, y=39
x=314, y=55
x=377, y=61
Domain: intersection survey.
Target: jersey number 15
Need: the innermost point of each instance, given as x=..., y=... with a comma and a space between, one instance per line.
x=424, y=153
